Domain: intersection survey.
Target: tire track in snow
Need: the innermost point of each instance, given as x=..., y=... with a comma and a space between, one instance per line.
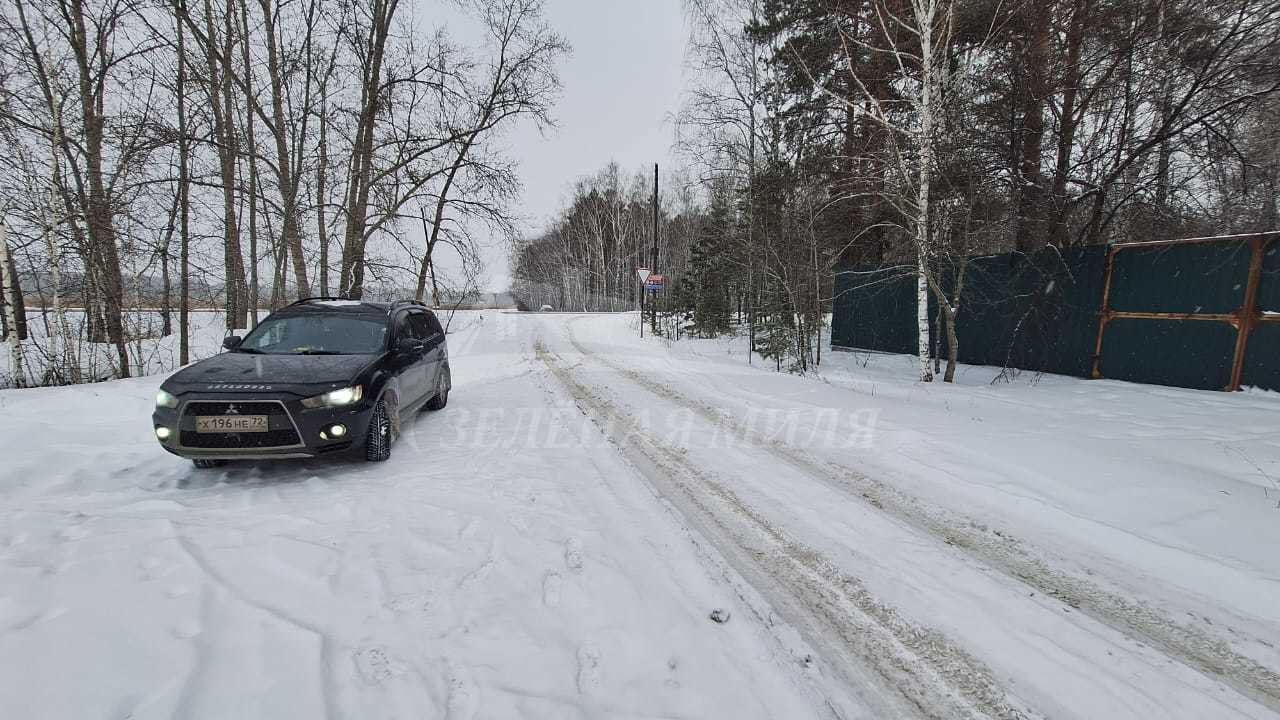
x=202, y=563
x=937, y=678
x=1211, y=656
x=193, y=683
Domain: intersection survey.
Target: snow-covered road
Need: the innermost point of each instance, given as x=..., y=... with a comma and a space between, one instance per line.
x=553, y=543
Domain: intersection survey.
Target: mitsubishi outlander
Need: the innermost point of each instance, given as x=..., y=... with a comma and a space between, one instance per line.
x=320, y=376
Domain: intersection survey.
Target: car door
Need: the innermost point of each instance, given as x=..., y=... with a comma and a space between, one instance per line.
x=410, y=365
x=428, y=328
x=438, y=344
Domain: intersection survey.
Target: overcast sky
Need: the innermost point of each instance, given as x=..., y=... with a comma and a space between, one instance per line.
x=622, y=82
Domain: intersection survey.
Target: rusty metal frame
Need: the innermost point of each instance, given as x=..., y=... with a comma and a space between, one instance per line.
x=1244, y=319
x=1194, y=240
x=1105, y=312
x=1249, y=313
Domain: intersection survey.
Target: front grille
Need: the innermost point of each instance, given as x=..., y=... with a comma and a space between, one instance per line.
x=280, y=430
x=242, y=408
x=283, y=437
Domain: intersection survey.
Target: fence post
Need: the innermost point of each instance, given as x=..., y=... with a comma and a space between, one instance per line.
x=1247, y=315
x=1104, y=313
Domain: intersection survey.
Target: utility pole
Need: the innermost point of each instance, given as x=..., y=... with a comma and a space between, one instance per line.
x=653, y=262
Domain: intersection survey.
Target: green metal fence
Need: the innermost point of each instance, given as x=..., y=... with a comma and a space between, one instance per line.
x=1199, y=313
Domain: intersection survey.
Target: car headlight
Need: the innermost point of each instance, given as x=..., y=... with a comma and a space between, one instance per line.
x=165, y=399
x=335, y=398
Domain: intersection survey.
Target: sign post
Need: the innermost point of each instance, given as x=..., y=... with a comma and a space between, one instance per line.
x=642, y=273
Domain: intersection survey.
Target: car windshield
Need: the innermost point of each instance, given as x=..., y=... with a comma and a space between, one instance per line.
x=317, y=335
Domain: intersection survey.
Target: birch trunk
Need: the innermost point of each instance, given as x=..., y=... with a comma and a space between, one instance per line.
x=925, y=14
x=9, y=283
x=61, y=350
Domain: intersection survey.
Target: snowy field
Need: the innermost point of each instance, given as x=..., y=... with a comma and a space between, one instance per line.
x=553, y=543
x=150, y=350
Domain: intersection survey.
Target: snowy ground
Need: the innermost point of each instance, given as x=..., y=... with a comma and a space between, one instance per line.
x=551, y=545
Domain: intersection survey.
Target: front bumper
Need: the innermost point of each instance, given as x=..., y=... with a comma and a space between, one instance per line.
x=293, y=431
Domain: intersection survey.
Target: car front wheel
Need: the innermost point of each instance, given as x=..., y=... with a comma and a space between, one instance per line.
x=377, y=446
x=442, y=392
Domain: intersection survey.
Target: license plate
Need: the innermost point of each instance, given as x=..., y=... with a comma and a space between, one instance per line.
x=232, y=424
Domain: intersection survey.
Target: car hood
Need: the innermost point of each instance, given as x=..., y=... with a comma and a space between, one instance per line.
x=234, y=372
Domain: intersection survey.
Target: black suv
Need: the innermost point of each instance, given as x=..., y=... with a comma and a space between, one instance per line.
x=320, y=376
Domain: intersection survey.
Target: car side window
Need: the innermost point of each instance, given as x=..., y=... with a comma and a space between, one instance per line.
x=403, y=327
x=434, y=323
x=418, y=323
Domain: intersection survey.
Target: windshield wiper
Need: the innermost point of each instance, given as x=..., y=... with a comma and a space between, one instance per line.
x=251, y=351
x=318, y=352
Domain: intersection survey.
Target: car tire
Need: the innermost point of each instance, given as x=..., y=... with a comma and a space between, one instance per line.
x=377, y=444
x=442, y=393
x=207, y=463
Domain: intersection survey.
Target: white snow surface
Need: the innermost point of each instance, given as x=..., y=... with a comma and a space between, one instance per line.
x=554, y=542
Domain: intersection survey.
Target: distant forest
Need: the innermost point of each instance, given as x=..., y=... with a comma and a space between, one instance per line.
x=914, y=134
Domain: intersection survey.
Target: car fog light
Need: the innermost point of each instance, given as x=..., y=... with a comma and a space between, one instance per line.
x=163, y=433
x=338, y=430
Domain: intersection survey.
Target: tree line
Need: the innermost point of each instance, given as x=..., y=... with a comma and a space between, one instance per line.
x=914, y=134
x=158, y=156
x=587, y=256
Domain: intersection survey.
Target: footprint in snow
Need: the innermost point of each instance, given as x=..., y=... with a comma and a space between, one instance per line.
x=463, y=697
x=551, y=589
x=477, y=575
x=411, y=602
x=519, y=522
x=588, y=668
x=573, y=554
x=469, y=530
x=373, y=665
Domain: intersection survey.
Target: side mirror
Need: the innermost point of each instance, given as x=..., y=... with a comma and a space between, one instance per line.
x=408, y=345
x=231, y=342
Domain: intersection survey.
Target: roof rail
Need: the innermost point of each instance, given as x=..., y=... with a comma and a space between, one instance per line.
x=398, y=303
x=317, y=298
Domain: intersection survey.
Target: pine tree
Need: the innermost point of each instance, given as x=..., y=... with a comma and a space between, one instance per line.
x=709, y=258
